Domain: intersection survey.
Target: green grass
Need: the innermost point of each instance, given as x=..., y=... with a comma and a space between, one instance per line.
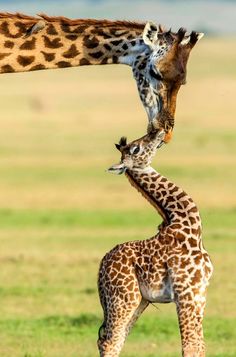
x=60, y=212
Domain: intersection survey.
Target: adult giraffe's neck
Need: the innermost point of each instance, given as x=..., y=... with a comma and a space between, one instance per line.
x=29, y=43
x=171, y=202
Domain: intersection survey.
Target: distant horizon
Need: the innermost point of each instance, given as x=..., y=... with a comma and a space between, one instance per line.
x=212, y=16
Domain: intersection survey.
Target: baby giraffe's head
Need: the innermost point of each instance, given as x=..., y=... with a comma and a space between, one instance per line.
x=138, y=154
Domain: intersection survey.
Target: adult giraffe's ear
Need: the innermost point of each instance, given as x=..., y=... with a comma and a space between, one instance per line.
x=150, y=34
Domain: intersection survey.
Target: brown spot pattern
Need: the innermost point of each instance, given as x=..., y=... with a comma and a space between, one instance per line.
x=84, y=62
x=96, y=55
x=37, y=67
x=63, y=64
x=4, y=55
x=71, y=52
x=49, y=57
x=90, y=42
x=7, y=69
x=9, y=44
x=54, y=43
x=28, y=45
x=25, y=61
x=51, y=30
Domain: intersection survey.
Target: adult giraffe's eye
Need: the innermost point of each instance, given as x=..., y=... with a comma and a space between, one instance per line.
x=155, y=75
x=134, y=150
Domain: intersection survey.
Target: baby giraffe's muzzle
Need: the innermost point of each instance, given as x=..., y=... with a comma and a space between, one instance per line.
x=117, y=169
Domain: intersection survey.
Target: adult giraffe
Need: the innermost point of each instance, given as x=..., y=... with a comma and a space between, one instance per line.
x=158, y=59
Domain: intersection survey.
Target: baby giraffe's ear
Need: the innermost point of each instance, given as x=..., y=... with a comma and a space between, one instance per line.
x=150, y=34
x=117, y=146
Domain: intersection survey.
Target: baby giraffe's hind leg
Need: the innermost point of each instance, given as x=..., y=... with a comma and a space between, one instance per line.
x=120, y=317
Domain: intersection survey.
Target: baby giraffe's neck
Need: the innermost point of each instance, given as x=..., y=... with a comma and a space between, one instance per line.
x=172, y=203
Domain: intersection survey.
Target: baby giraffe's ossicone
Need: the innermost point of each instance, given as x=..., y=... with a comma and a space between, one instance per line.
x=172, y=266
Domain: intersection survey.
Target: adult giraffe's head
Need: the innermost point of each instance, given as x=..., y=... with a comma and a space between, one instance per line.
x=160, y=70
x=138, y=154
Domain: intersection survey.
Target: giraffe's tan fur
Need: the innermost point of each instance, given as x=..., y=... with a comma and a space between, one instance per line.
x=158, y=59
x=172, y=266
x=68, y=42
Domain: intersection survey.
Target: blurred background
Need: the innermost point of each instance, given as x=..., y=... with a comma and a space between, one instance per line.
x=60, y=212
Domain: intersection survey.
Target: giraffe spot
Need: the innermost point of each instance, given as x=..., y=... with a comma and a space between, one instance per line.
x=181, y=214
x=181, y=195
x=100, y=32
x=176, y=226
x=125, y=270
x=7, y=69
x=192, y=242
x=28, y=45
x=185, y=203
x=114, y=59
x=130, y=286
x=104, y=61
x=116, y=265
x=184, y=262
x=116, y=42
x=3, y=55
x=38, y=67
x=25, y=61
x=71, y=37
x=107, y=47
x=174, y=190
x=9, y=44
x=180, y=237
x=49, y=57
x=186, y=230
x=193, y=210
x=142, y=66
x=71, y=52
x=96, y=54
x=51, y=30
x=22, y=27
x=4, y=29
x=63, y=64
x=179, y=206
x=84, y=62
x=90, y=42
x=197, y=277
x=196, y=231
x=72, y=29
x=55, y=43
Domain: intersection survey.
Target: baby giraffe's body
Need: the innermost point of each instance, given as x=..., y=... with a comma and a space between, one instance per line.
x=172, y=266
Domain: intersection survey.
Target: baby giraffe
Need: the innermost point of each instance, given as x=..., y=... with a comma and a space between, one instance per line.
x=172, y=266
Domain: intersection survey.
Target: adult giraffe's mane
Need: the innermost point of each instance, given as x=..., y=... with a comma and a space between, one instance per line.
x=71, y=22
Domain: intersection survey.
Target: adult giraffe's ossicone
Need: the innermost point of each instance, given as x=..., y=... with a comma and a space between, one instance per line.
x=158, y=58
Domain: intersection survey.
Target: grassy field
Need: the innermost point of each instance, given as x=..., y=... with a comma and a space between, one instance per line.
x=60, y=211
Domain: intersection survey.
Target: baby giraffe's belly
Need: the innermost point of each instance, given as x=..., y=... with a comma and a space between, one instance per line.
x=160, y=293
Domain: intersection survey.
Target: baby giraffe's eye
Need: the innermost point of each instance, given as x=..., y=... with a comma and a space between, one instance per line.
x=134, y=150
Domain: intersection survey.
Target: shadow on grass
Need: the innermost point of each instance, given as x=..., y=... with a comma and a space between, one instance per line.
x=84, y=320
